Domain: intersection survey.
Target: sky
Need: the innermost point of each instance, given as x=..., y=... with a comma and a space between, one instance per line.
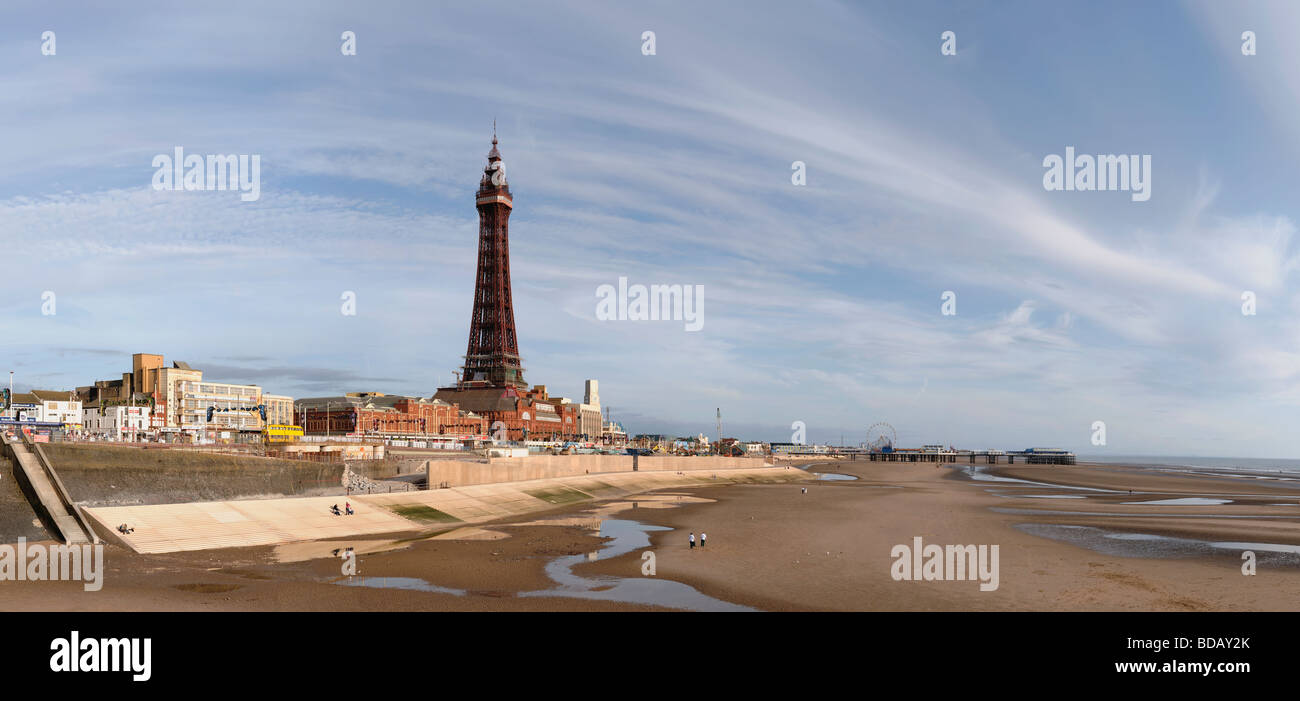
x=822, y=301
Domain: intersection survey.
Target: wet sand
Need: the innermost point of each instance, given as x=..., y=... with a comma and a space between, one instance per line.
x=252, y=579
x=775, y=548
x=772, y=547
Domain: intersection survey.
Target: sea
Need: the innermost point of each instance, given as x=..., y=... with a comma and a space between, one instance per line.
x=1199, y=463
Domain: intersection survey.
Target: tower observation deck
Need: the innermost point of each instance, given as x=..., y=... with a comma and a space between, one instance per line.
x=492, y=357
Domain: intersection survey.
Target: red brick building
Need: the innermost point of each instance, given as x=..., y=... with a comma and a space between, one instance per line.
x=519, y=414
x=377, y=414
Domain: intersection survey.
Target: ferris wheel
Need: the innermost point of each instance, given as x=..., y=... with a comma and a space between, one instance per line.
x=881, y=438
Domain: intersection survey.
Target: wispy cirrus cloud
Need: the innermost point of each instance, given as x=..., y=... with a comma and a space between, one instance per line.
x=822, y=302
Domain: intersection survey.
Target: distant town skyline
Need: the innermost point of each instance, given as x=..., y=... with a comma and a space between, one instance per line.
x=823, y=302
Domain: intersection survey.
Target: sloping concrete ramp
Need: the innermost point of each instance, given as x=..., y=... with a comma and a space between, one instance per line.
x=164, y=528
x=227, y=524
x=48, y=494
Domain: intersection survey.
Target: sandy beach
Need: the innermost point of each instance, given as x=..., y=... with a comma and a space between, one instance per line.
x=1070, y=539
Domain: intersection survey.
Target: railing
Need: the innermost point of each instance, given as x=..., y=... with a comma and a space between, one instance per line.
x=386, y=488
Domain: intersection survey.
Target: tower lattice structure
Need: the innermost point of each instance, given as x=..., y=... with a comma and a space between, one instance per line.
x=492, y=358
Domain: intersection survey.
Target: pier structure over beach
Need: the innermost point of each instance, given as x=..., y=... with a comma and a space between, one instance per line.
x=1029, y=456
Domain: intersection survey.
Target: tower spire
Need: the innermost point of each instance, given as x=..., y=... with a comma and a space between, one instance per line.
x=494, y=154
x=492, y=356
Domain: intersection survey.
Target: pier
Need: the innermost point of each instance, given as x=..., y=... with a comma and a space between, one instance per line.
x=989, y=457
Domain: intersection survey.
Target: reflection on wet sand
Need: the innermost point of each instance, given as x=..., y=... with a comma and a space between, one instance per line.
x=623, y=536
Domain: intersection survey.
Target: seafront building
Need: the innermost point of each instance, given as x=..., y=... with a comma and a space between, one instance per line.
x=279, y=409
x=612, y=432
x=233, y=406
x=45, y=407
x=589, y=411
x=117, y=422
x=179, y=399
x=375, y=414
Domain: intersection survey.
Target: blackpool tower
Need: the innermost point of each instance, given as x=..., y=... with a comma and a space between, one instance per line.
x=492, y=358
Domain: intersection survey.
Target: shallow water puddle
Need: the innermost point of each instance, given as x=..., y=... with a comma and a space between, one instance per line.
x=833, y=477
x=409, y=583
x=627, y=536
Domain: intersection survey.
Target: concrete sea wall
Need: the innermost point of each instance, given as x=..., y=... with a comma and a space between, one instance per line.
x=100, y=475
x=106, y=475
x=18, y=518
x=461, y=473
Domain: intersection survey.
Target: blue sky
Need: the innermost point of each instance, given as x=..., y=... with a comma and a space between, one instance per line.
x=822, y=303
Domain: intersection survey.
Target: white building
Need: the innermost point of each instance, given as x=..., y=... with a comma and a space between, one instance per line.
x=58, y=407
x=589, y=420
x=117, y=422
x=45, y=406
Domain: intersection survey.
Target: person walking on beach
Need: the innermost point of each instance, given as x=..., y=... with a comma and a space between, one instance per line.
x=703, y=537
x=692, y=540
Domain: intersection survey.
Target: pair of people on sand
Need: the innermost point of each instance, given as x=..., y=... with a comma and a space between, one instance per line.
x=703, y=537
x=335, y=509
